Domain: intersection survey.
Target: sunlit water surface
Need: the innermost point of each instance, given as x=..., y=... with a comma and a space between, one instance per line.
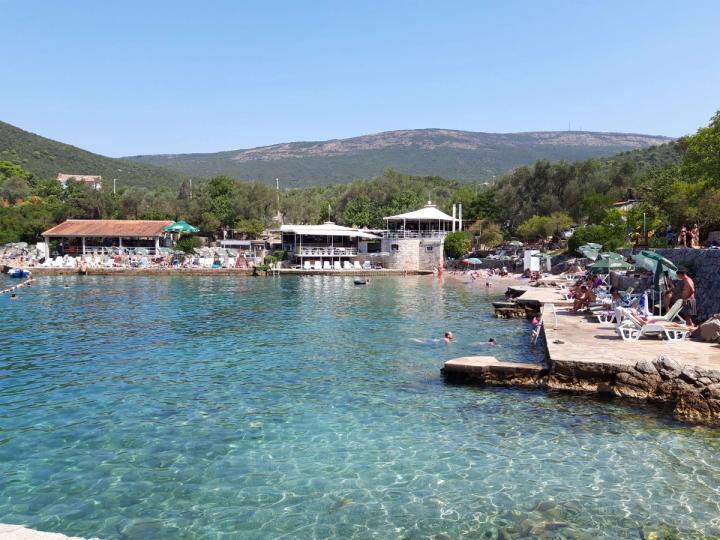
x=180, y=407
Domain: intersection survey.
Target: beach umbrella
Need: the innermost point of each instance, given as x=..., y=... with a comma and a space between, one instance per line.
x=515, y=243
x=612, y=256
x=590, y=251
x=474, y=260
x=604, y=266
x=181, y=227
x=658, y=265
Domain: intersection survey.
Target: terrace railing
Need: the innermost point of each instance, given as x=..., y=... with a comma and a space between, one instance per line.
x=325, y=251
x=415, y=234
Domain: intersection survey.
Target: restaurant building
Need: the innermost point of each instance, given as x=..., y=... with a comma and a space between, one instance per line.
x=81, y=236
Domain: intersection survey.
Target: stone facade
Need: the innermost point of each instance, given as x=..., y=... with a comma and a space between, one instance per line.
x=414, y=254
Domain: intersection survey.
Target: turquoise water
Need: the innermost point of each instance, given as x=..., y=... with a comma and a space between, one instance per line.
x=292, y=407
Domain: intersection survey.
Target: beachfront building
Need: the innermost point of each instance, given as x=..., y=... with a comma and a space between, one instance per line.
x=82, y=236
x=91, y=180
x=323, y=246
x=416, y=240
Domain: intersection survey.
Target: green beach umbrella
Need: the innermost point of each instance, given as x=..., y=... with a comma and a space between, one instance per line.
x=612, y=256
x=181, y=227
x=590, y=251
x=602, y=266
x=657, y=264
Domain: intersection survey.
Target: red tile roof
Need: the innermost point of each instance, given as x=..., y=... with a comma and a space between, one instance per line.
x=108, y=227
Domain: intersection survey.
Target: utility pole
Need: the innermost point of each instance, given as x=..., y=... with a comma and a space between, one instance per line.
x=191, y=189
x=114, y=180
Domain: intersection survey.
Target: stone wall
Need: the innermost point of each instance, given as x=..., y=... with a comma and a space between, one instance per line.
x=703, y=266
x=412, y=253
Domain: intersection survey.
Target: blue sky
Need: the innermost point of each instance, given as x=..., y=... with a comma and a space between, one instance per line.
x=136, y=77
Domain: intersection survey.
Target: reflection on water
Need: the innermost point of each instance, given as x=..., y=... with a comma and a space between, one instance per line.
x=256, y=408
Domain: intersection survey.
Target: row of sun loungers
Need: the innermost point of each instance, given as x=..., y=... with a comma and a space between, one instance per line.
x=337, y=265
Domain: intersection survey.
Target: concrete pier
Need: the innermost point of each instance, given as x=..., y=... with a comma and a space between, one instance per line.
x=586, y=356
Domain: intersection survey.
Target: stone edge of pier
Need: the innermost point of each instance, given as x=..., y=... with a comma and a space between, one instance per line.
x=18, y=532
x=693, y=391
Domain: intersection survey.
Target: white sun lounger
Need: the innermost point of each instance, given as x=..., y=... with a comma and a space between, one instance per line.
x=326, y=265
x=356, y=265
x=306, y=265
x=337, y=265
x=347, y=265
x=632, y=329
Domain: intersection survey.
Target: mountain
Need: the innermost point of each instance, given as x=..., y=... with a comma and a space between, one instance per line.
x=464, y=155
x=46, y=158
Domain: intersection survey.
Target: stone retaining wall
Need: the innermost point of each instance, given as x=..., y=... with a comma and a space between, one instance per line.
x=704, y=267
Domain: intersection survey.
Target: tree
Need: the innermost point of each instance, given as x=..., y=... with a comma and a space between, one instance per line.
x=250, y=227
x=702, y=155
x=487, y=233
x=457, y=244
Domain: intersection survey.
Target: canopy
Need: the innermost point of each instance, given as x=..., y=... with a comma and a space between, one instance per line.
x=181, y=227
x=429, y=212
x=515, y=243
x=602, y=266
x=328, y=229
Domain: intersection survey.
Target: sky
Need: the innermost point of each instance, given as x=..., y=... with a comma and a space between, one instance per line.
x=146, y=77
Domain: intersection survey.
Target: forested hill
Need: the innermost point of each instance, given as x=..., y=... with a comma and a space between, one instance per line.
x=45, y=158
x=467, y=156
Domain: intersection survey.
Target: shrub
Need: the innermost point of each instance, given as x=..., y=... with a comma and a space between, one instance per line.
x=188, y=243
x=457, y=244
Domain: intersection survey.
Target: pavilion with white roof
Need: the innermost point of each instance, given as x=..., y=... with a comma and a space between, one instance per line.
x=428, y=221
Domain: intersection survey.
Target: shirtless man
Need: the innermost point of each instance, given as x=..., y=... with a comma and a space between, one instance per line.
x=689, y=309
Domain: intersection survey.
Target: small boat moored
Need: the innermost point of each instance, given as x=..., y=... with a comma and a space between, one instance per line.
x=360, y=281
x=18, y=273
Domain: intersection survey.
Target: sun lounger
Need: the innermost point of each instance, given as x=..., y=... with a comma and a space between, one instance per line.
x=337, y=265
x=367, y=266
x=632, y=328
x=347, y=265
x=672, y=313
x=356, y=265
x=306, y=265
x=326, y=265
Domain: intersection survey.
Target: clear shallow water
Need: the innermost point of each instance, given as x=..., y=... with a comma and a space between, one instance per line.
x=300, y=408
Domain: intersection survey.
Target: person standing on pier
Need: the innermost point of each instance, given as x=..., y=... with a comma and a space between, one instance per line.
x=689, y=310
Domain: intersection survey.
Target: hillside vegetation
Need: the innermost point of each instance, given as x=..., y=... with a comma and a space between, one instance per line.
x=45, y=158
x=467, y=156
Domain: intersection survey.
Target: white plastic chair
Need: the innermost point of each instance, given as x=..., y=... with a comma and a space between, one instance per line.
x=356, y=265
x=347, y=265
x=326, y=265
x=337, y=265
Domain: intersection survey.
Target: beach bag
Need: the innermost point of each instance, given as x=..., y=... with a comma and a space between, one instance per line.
x=710, y=329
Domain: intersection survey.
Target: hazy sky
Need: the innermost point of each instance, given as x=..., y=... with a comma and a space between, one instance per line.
x=137, y=77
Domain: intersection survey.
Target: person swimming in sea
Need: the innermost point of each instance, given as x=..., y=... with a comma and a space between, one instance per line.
x=447, y=338
x=492, y=342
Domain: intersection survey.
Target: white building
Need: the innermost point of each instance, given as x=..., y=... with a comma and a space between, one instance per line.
x=321, y=246
x=94, y=181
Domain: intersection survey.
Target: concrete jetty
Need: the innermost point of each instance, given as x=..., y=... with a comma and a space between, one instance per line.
x=586, y=356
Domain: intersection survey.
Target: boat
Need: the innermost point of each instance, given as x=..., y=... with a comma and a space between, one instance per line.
x=360, y=281
x=18, y=273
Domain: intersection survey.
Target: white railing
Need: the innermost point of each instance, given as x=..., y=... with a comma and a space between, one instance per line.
x=326, y=252
x=415, y=234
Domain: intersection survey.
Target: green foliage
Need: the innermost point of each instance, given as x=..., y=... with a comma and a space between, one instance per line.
x=540, y=227
x=489, y=234
x=250, y=227
x=701, y=161
x=188, y=243
x=45, y=158
x=457, y=244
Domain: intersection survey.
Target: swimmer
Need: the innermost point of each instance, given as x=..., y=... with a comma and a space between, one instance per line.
x=487, y=284
x=447, y=338
x=13, y=296
x=67, y=285
x=490, y=342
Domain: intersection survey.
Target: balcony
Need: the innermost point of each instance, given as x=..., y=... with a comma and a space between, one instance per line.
x=326, y=251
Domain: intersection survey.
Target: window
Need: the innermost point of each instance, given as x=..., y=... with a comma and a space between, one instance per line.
x=394, y=247
x=428, y=248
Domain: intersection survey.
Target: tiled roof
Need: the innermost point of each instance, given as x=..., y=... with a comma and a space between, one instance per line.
x=108, y=227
